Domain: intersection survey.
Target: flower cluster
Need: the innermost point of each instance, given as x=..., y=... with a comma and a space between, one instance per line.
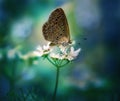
x=61, y=53
x=41, y=51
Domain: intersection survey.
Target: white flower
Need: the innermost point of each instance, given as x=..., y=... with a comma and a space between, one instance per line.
x=46, y=47
x=73, y=43
x=66, y=53
x=43, y=50
x=65, y=49
x=61, y=52
x=53, y=55
x=72, y=54
x=57, y=56
x=27, y=56
x=39, y=51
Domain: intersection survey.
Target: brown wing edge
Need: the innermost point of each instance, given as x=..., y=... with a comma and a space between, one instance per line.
x=43, y=30
x=67, y=25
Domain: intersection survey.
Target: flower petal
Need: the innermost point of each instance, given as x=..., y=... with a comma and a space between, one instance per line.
x=72, y=50
x=72, y=54
x=53, y=55
x=77, y=52
x=37, y=53
x=39, y=48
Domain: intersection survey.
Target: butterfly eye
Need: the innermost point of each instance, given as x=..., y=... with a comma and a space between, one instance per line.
x=60, y=34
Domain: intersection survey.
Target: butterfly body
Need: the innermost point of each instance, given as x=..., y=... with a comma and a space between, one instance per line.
x=56, y=29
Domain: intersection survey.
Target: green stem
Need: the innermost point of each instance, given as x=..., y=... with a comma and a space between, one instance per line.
x=60, y=62
x=56, y=84
x=64, y=64
x=50, y=61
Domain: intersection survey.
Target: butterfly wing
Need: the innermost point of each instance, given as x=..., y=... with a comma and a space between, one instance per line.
x=56, y=29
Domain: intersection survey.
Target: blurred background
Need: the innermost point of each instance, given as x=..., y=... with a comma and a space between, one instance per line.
x=93, y=76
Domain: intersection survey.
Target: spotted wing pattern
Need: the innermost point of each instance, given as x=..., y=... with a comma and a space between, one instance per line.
x=56, y=29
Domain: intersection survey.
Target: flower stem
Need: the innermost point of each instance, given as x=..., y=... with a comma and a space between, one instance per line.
x=56, y=84
x=50, y=61
x=64, y=64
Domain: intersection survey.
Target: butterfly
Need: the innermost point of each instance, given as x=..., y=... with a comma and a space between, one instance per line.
x=56, y=29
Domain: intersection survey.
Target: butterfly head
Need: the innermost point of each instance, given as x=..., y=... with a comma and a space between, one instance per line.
x=64, y=41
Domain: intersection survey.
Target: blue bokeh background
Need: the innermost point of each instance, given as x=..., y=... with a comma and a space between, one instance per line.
x=92, y=76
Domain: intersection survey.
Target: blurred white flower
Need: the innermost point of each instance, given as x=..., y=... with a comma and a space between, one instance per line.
x=43, y=50
x=57, y=56
x=64, y=49
x=39, y=51
x=46, y=47
x=65, y=52
x=26, y=56
x=72, y=54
